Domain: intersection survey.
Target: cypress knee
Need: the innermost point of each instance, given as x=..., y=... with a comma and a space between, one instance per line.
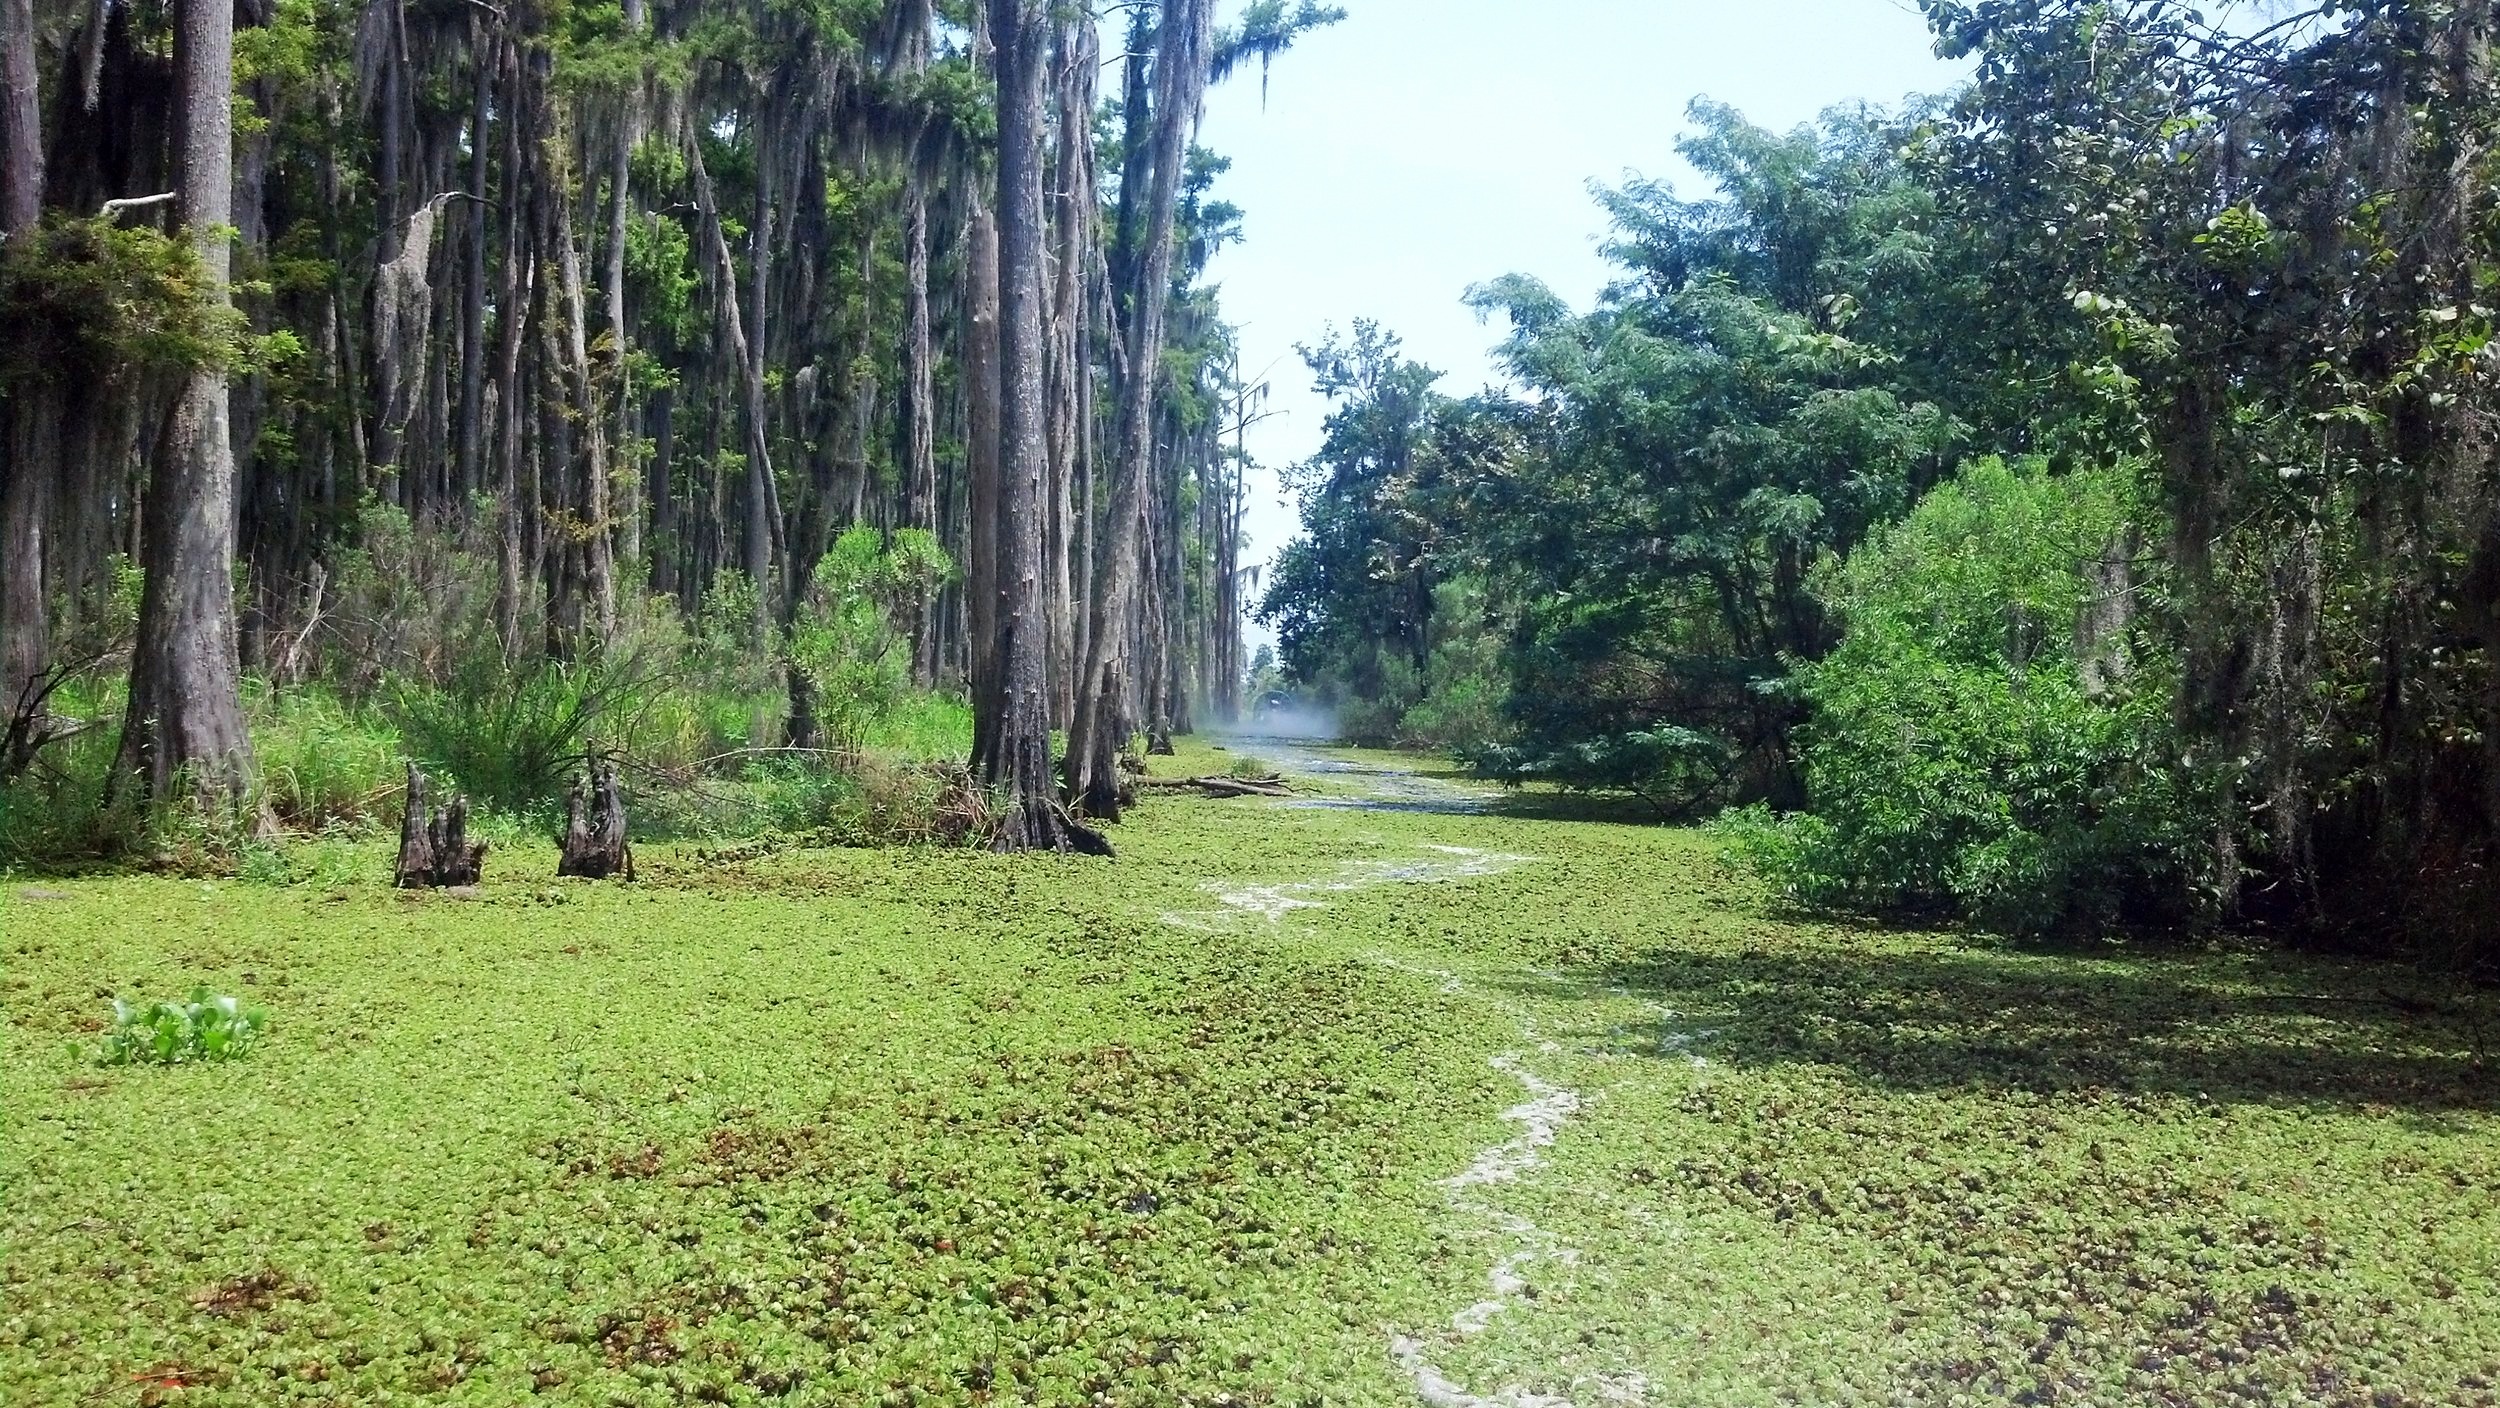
x=435, y=851
x=595, y=847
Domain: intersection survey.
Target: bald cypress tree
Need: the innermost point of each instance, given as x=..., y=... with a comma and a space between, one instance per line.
x=185, y=718
x=1019, y=756
x=25, y=473
x=1105, y=718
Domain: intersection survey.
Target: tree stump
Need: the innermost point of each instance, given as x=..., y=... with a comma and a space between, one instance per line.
x=435, y=852
x=594, y=828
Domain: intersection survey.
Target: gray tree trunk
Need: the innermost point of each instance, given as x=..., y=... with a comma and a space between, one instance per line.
x=920, y=489
x=598, y=528
x=21, y=121
x=25, y=464
x=1183, y=53
x=1073, y=228
x=629, y=508
x=1020, y=763
x=472, y=426
x=764, y=545
x=981, y=459
x=186, y=704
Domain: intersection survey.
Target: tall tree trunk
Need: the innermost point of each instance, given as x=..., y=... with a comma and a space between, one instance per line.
x=629, y=509
x=919, y=415
x=660, y=490
x=21, y=122
x=1073, y=228
x=1183, y=53
x=391, y=423
x=763, y=516
x=764, y=545
x=472, y=433
x=1020, y=764
x=511, y=331
x=981, y=469
x=186, y=703
x=27, y=458
x=597, y=528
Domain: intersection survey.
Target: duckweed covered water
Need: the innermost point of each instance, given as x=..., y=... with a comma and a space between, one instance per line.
x=1200, y=1127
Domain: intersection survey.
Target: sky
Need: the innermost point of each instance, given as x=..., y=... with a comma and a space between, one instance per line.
x=1422, y=146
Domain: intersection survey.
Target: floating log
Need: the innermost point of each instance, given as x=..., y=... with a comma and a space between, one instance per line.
x=1222, y=786
x=595, y=847
x=435, y=852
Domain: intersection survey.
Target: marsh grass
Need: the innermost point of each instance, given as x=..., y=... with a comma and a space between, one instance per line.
x=331, y=776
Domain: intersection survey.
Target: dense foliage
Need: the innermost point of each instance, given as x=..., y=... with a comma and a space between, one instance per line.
x=1988, y=737
x=2238, y=280
x=524, y=377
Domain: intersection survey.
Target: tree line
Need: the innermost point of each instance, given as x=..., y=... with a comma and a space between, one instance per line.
x=632, y=303
x=2064, y=502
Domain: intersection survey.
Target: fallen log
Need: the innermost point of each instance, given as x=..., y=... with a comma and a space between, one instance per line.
x=595, y=847
x=1221, y=786
x=435, y=852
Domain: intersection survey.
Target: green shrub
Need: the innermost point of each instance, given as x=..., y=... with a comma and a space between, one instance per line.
x=849, y=638
x=863, y=800
x=405, y=605
x=1672, y=768
x=208, y=1027
x=84, y=298
x=56, y=810
x=1464, y=686
x=1376, y=718
x=1991, y=739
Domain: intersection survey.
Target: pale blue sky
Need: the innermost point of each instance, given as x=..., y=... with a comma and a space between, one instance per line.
x=1426, y=145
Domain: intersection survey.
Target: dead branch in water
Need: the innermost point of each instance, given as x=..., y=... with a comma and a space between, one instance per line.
x=1220, y=786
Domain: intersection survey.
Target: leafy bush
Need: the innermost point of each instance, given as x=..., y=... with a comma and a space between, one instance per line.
x=208, y=1027
x=1376, y=717
x=56, y=810
x=849, y=637
x=868, y=800
x=1991, y=739
x=86, y=298
x=406, y=605
x=1464, y=687
x=1673, y=769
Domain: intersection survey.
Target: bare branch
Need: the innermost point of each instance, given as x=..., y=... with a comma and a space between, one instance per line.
x=113, y=208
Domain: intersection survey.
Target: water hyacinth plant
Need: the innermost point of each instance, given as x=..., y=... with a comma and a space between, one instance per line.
x=207, y=1027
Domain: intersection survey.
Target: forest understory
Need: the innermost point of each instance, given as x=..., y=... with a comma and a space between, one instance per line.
x=1388, y=1092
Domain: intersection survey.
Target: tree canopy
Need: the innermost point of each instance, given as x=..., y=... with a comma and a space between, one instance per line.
x=2240, y=275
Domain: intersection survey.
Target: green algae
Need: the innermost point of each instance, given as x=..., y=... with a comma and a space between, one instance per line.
x=837, y=1127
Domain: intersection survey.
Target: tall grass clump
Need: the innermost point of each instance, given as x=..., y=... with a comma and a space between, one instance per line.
x=55, y=810
x=325, y=765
